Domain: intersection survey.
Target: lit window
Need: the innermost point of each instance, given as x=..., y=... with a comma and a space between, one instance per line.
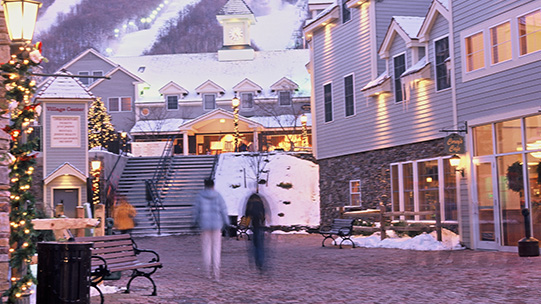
x=443, y=77
x=399, y=68
x=500, y=42
x=529, y=27
x=346, y=12
x=327, y=93
x=284, y=98
x=84, y=80
x=349, y=95
x=118, y=104
x=209, y=101
x=172, y=102
x=355, y=192
x=475, y=52
x=247, y=100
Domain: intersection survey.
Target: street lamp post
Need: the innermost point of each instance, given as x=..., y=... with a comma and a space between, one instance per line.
x=304, y=120
x=20, y=16
x=95, y=172
x=235, y=102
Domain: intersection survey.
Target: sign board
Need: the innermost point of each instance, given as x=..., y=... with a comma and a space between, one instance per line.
x=65, y=131
x=454, y=144
x=305, y=107
x=154, y=148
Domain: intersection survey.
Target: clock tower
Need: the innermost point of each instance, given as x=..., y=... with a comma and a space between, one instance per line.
x=236, y=18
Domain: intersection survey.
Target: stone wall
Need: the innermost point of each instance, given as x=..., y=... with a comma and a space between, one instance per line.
x=372, y=168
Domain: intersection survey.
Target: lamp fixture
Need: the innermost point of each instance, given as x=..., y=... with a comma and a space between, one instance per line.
x=21, y=16
x=95, y=165
x=454, y=161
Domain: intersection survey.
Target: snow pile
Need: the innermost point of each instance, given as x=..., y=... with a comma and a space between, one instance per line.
x=289, y=232
x=298, y=205
x=422, y=242
x=104, y=289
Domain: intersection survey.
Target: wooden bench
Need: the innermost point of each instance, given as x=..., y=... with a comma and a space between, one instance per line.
x=385, y=222
x=339, y=227
x=113, y=253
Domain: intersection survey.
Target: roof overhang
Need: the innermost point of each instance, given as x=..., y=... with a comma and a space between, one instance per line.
x=436, y=8
x=65, y=169
x=322, y=20
x=220, y=120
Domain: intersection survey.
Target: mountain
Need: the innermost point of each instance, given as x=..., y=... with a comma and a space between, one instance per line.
x=137, y=27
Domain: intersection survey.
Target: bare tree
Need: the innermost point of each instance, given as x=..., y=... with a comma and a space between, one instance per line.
x=257, y=163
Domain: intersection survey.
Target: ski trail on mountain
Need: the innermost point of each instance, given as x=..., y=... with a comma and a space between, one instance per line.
x=49, y=18
x=135, y=43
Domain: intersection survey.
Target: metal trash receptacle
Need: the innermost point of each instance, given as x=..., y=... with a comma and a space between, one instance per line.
x=63, y=272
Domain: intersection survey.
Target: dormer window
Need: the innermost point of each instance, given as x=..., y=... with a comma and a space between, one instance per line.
x=209, y=101
x=247, y=100
x=284, y=98
x=443, y=76
x=172, y=102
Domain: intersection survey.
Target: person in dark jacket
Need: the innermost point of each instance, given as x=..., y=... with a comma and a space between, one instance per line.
x=211, y=216
x=255, y=210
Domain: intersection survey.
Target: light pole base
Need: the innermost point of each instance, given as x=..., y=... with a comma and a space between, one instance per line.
x=528, y=247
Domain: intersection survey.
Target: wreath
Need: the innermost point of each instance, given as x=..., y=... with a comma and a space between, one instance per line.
x=515, y=180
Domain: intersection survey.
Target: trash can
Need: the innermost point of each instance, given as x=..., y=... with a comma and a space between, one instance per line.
x=63, y=272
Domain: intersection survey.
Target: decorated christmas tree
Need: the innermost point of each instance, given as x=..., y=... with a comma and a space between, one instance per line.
x=100, y=129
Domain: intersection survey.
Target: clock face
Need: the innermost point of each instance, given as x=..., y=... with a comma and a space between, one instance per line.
x=235, y=33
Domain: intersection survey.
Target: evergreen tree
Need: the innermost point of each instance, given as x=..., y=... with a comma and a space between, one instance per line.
x=100, y=129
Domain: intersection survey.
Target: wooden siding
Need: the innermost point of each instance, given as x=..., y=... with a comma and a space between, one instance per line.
x=57, y=156
x=120, y=85
x=90, y=63
x=497, y=93
x=379, y=122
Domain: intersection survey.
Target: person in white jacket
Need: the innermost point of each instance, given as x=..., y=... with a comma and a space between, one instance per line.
x=211, y=216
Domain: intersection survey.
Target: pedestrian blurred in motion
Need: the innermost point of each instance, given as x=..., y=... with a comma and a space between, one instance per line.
x=211, y=216
x=124, y=215
x=255, y=210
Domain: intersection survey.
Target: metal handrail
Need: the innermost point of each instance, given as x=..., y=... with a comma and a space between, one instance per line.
x=154, y=202
x=214, y=165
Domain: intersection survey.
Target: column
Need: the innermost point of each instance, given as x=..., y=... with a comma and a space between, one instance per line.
x=185, y=148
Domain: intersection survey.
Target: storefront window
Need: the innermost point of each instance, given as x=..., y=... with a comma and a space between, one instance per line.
x=511, y=197
x=449, y=190
x=508, y=136
x=534, y=181
x=409, y=200
x=482, y=136
x=533, y=134
x=428, y=186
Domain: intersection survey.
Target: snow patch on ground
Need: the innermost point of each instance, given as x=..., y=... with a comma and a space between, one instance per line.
x=104, y=289
x=422, y=242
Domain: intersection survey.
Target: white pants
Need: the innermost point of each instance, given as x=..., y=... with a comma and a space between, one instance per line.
x=211, y=242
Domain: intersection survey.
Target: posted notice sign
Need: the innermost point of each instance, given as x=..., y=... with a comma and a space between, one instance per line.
x=65, y=131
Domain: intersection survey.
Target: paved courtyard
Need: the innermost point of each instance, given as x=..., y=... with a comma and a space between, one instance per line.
x=301, y=271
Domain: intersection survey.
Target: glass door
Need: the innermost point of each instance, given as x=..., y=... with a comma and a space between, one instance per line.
x=486, y=207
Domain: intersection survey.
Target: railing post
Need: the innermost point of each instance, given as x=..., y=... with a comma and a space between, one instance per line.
x=382, y=221
x=438, y=221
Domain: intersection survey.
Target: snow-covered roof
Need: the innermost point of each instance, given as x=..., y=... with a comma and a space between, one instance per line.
x=235, y=7
x=376, y=82
x=409, y=24
x=416, y=67
x=321, y=14
x=192, y=70
x=165, y=125
x=64, y=88
x=280, y=121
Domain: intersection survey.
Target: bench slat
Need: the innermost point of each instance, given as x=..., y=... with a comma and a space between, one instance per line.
x=106, y=238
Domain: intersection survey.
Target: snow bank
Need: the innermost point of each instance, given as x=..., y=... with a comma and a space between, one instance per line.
x=422, y=242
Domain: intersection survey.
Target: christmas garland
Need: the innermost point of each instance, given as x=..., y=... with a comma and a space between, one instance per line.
x=18, y=102
x=515, y=177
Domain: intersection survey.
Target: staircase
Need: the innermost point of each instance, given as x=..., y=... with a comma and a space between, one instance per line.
x=184, y=180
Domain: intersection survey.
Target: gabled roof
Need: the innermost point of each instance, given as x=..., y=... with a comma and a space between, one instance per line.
x=437, y=8
x=64, y=88
x=284, y=84
x=209, y=86
x=112, y=72
x=85, y=53
x=64, y=169
x=407, y=27
x=327, y=16
x=173, y=87
x=235, y=7
x=247, y=85
x=217, y=114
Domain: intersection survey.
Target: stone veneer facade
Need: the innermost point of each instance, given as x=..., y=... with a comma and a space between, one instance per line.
x=372, y=168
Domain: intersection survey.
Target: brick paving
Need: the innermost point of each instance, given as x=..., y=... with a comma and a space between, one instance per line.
x=301, y=271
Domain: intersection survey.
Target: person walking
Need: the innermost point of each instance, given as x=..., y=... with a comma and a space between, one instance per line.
x=211, y=216
x=124, y=215
x=255, y=210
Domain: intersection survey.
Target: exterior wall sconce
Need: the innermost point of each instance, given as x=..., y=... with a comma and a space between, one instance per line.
x=455, y=162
